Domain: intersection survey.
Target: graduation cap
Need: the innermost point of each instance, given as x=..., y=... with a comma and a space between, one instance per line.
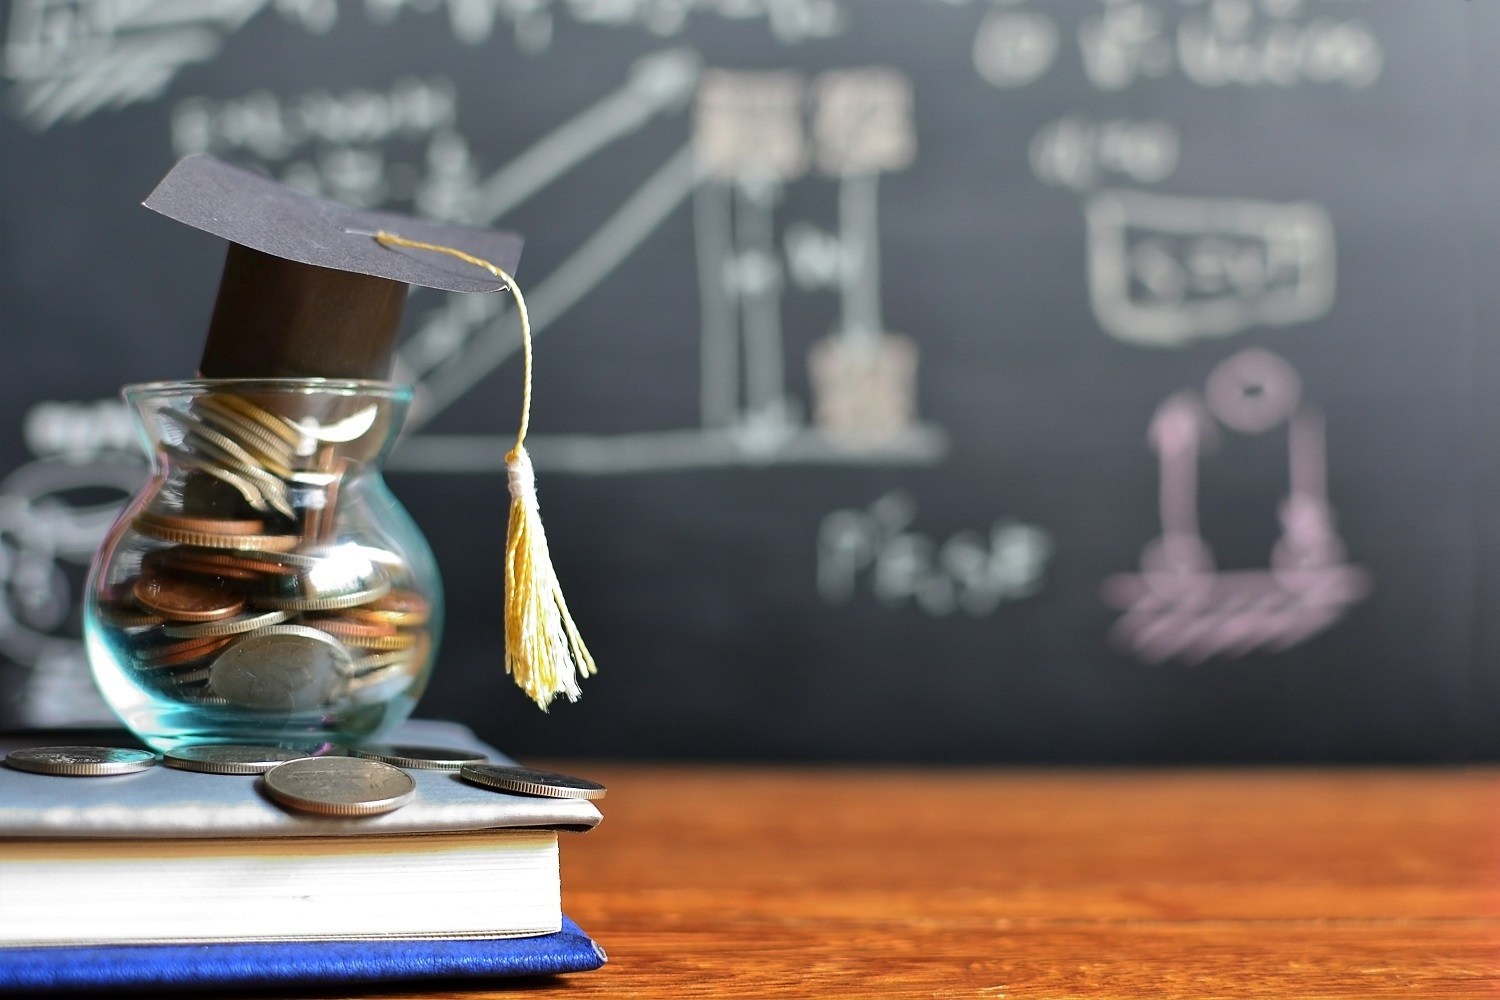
x=312, y=288
x=306, y=291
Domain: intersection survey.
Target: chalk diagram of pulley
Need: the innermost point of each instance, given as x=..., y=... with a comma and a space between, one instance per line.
x=752, y=135
x=1181, y=605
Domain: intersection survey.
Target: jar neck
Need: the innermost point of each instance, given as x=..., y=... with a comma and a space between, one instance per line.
x=290, y=428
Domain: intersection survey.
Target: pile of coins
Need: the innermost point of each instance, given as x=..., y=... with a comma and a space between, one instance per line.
x=369, y=784
x=261, y=607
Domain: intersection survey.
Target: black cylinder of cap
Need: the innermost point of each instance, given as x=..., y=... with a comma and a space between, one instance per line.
x=281, y=318
x=307, y=290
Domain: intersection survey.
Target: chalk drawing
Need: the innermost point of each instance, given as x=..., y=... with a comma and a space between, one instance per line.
x=69, y=59
x=1180, y=605
x=1227, y=42
x=1164, y=271
x=1015, y=47
x=752, y=135
x=968, y=572
x=47, y=537
x=1077, y=153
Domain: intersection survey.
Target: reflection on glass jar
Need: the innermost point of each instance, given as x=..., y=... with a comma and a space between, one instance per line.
x=265, y=586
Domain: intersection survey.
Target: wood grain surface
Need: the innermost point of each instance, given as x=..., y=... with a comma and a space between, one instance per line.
x=711, y=882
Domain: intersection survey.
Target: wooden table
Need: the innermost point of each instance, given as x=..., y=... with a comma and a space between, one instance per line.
x=711, y=882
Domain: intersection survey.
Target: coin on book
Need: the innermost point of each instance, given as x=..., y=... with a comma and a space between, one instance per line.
x=80, y=762
x=422, y=758
x=229, y=758
x=339, y=786
x=527, y=781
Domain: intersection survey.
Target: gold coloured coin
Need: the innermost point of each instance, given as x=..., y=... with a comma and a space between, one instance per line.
x=274, y=453
x=398, y=641
x=339, y=786
x=279, y=426
x=203, y=525
x=239, y=543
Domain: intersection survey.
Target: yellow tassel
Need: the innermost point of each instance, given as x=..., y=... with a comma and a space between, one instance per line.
x=543, y=650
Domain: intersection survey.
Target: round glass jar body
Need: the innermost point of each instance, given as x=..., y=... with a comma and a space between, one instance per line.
x=264, y=586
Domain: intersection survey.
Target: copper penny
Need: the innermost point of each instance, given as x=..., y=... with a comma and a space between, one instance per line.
x=204, y=525
x=187, y=600
x=253, y=563
x=343, y=628
x=184, y=653
x=179, y=560
x=402, y=608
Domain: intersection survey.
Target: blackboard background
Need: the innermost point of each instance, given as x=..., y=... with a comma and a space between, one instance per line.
x=697, y=588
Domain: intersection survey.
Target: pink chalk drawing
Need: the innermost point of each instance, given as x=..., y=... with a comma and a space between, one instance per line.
x=1180, y=605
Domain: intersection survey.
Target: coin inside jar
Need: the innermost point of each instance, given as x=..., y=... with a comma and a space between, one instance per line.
x=281, y=667
x=181, y=653
x=402, y=608
x=421, y=758
x=228, y=626
x=528, y=781
x=186, y=600
x=229, y=758
x=315, y=591
x=80, y=762
x=203, y=525
x=339, y=786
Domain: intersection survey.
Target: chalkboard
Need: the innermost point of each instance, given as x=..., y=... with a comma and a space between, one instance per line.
x=924, y=379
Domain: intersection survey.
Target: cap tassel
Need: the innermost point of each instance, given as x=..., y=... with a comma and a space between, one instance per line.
x=543, y=650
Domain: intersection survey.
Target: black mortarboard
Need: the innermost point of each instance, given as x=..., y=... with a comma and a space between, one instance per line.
x=306, y=290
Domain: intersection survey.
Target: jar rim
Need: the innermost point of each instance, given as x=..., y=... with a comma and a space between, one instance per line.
x=295, y=386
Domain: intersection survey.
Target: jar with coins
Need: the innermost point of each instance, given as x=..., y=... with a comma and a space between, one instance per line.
x=265, y=586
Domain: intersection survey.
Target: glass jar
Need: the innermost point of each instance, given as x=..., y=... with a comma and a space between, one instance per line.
x=264, y=586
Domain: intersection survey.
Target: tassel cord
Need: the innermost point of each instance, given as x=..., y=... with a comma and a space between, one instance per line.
x=544, y=651
x=392, y=240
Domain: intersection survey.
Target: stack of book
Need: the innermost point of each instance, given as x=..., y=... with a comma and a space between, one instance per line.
x=171, y=879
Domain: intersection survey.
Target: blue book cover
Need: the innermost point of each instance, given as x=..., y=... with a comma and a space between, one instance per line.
x=301, y=963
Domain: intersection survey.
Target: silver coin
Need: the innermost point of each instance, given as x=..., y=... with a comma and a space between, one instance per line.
x=339, y=786
x=283, y=667
x=80, y=762
x=421, y=758
x=340, y=580
x=227, y=626
x=229, y=758
x=526, y=781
